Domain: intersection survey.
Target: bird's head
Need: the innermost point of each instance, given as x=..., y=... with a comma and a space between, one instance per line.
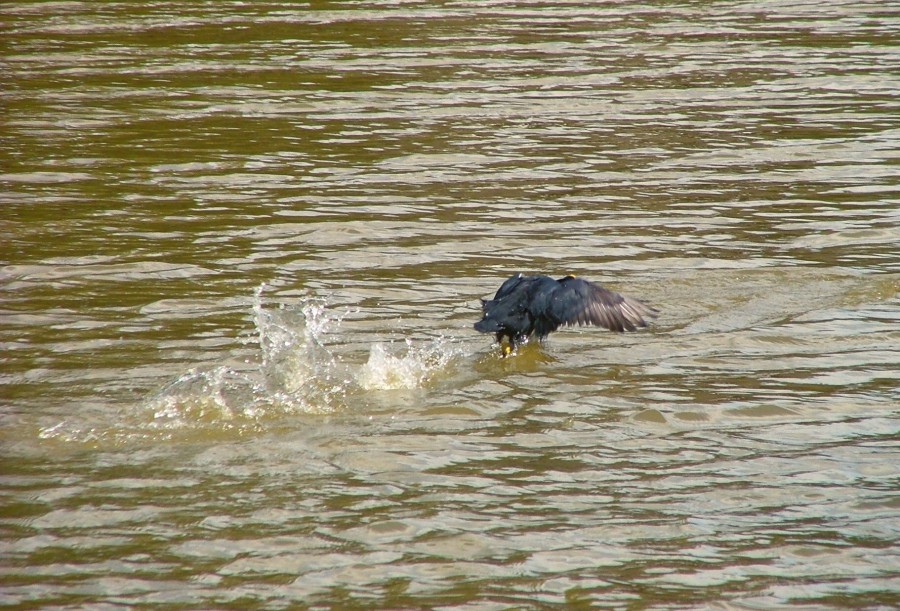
x=488, y=324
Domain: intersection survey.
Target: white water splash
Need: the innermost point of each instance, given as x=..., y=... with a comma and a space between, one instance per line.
x=296, y=366
x=215, y=396
x=387, y=371
x=298, y=372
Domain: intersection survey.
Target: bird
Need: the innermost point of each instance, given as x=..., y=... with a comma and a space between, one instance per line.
x=528, y=306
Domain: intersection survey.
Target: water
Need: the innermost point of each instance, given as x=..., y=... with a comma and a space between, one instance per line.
x=243, y=250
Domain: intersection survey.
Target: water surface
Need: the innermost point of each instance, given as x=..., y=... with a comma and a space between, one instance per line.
x=243, y=250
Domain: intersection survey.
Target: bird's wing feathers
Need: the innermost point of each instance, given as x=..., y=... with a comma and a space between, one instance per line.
x=580, y=302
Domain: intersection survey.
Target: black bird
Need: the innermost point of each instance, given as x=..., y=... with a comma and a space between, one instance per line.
x=525, y=306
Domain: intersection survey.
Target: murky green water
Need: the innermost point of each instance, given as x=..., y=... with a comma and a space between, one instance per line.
x=243, y=247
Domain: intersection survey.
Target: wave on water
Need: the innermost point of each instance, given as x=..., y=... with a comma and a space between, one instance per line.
x=298, y=371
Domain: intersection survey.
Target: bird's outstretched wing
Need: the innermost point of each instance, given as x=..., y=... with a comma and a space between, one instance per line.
x=579, y=302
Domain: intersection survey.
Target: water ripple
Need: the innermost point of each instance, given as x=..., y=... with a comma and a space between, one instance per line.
x=174, y=436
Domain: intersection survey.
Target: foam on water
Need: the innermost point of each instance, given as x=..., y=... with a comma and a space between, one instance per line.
x=297, y=372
